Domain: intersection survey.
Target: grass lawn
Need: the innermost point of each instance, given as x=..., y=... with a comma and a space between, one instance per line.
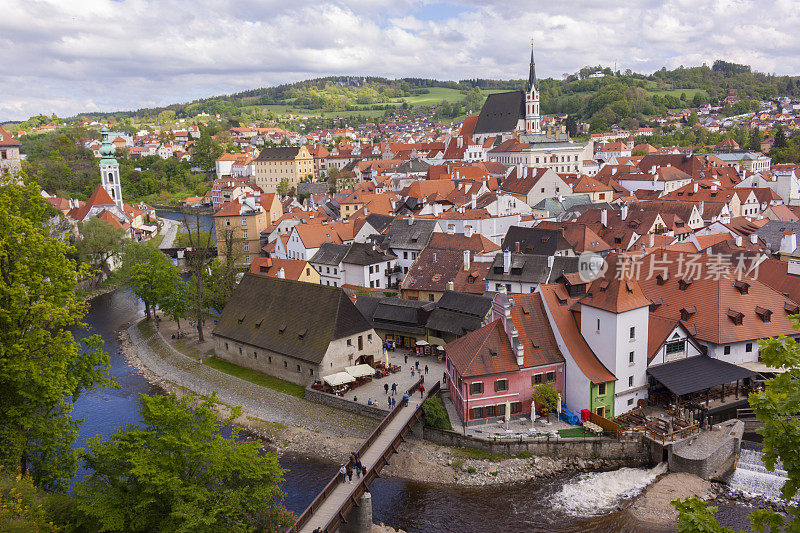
x=255, y=377
x=677, y=94
x=575, y=432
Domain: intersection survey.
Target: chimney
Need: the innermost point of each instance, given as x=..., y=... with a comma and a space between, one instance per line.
x=468, y=231
x=280, y=273
x=604, y=217
x=516, y=246
x=450, y=285
x=788, y=242
x=507, y=261
x=753, y=238
x=624, y=212
x=613, y=171
x=651, y=240
x=550, y=261
x=474, y=202
x=695, y=187
x=466, y=259
x=714, y=187
x=410, y=221
x=738, y=240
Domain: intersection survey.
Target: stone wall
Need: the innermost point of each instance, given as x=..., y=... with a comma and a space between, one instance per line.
x=338, y=402
x=711, y=454
x=636, y=453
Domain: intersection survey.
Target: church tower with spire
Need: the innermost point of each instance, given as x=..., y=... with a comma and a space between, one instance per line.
x=109, y=170
x=533, y=121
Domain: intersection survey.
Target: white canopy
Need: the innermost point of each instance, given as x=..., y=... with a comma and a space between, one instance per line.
x=422, y=343
x=360, y=371
x=339, y=378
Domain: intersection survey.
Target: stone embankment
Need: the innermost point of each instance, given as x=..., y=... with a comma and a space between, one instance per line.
x=653, y=509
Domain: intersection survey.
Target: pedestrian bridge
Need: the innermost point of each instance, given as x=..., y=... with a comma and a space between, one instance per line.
x=330, y=508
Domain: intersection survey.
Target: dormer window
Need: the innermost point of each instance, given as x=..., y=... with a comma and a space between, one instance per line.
x=655, y=304
x=302, y=333
x=662, y=278
x=260, y=321
x=282, y=329
x=742, y=286
x=688, y=312
x=684, y=284
x=736, y=317
x=241, y=318
x=791, y=308
x=764, y=314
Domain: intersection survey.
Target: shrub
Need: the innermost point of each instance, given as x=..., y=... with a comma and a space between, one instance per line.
x=435, y=414
x=546, y=396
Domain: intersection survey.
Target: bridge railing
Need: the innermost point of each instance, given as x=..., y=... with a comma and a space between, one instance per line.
x=363, y=485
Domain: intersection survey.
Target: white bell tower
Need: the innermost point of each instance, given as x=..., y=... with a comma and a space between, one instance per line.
x=109, y=171
x=533, y=120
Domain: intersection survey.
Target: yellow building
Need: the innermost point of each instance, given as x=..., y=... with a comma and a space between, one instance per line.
x=239, y=224
x=294, y=269
x=290, y=163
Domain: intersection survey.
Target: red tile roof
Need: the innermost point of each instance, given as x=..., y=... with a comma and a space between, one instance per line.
x=484, y=351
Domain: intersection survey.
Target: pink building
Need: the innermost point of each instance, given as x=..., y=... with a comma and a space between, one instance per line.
x=504, y=361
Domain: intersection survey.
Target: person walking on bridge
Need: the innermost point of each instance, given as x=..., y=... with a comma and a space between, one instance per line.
x=394, y=389
x=343, y=472
x=422, y=391
x=405, y=399
x=386, y=388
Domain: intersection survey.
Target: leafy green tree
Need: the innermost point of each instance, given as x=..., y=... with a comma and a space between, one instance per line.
x=174, y=471
x=42, y=368
x=780, y=138
x=206, y=151
x=435, y=414
x=692, y=119
x=571, y=126
x=283, y=187
x=175, y=302
x=777, y=406
x=151, y=274
x=755, y=140
x=198, y=261
x=546, y=396
x=99, y=243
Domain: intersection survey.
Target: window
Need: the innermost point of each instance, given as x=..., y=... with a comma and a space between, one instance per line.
x=489, y=411
x=244, y=234
x=244, y=222
x=247, y=259
x=501, y=409
x=551, y=377
x=536, y=379
x=240, y=350
x=360, y=342
x=476, y=413
x=349, y=342
x=310, y=371
x=226, y=346
x=247, y=247
x=631, y=358
x=601, y=389
x=630, y=401
x=630, y=381
x=476, y=388
x=255, y=355
x=516, y=407
x=633, y=332
x=430, y=297
x=748, y=347
x=501, y=385
x=598, y=324
x=298, y=368
x=285, y=364
x=405, y=255
x=676, y=347
x=369, y=336
x=269, y=359
x=227, y=222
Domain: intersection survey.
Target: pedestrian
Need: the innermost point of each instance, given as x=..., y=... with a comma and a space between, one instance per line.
x=405, y=359
x=349, y=471
x=369, y=401
x=405, y=399
x=359, y=466
x=444, y=377
x=412, y=371
x=421, y=391
x=426, y=370
x=343, y=472
x=416, y=364
x=394, y=389
x=355, y=398
x=394, y=402
x=389, y=400
x=386, y=388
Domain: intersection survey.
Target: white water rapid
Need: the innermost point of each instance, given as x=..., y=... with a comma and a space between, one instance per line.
x=752, y=478
x=597, y=493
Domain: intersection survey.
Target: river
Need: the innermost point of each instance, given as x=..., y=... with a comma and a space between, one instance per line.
x=563, y=504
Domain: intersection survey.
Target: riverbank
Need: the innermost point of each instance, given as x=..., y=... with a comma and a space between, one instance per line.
x=652, y=508
x=290, y=425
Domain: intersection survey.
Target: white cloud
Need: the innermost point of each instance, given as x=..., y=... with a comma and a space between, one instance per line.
x=68, y=56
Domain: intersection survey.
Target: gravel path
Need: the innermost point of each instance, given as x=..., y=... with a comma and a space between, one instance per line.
x=171, y=228
x=256, y=401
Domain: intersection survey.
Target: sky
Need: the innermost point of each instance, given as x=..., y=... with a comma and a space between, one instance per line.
x=72, y=56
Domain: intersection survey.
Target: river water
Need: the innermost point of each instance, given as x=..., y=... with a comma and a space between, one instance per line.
x=587, y=502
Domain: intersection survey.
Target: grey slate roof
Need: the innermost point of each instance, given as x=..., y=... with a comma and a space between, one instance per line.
x=531, y=268
x=366, y=254
x=412, y=166
x=330, y=253
x=554, y=207
x=414, y=236
x=772, y=233
x=278, y=153
x=379, y=222
x=289, y=317
x=309, y=187
x=459, y=313
x=537, y=241
x=695, y=374
x=395, y=314
x=500, y=112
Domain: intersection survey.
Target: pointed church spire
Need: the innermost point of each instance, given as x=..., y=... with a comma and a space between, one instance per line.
x=532, y=76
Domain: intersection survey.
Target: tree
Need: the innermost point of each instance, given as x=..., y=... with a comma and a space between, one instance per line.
x=174, y=471
x=283, y=187
x=780, y=138
x=99, y=243
x=776, y=407
x=151, y=274
x=546, y=396
x=198, y=257
x=206, y=151
x=571, y=126
x=42, y=368
x=755, y=140
x=692, y=119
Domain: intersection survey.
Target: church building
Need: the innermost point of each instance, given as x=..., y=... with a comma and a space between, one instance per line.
x=513, y=122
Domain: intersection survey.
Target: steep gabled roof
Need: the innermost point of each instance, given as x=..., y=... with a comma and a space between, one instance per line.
x=484, y=351
x=289, y=317
x=501, y=112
